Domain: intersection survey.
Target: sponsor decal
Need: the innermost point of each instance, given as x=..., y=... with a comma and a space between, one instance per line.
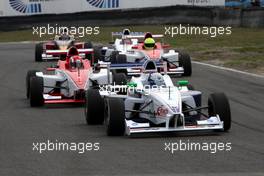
x=104, y=3
x=27, y=8
x=161, y=111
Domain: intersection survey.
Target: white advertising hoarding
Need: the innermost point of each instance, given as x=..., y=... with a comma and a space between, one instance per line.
x=34, y=7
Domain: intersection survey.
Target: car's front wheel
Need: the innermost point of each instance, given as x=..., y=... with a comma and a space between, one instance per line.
x=218, y=105
x=185, y=62
x=94, y=107
x=38, y=52
x=36, y=91
x=114, y=116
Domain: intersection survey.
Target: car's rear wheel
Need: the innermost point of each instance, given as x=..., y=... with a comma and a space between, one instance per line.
x=94, y=107
x=119, y=78
x=38, y=52
x=185, y=62
x=113, y=57
x=218, y=105
x=114, y=117
x=88, y=45
x=30, y=73
x=97, y=54
x=36, y=91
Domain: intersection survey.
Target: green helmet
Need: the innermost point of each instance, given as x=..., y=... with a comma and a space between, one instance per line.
x=149, y=43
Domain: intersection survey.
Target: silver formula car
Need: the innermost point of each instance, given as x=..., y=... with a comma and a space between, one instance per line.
x=151, y=103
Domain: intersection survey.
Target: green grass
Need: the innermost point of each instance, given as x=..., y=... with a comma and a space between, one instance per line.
x=243, y=49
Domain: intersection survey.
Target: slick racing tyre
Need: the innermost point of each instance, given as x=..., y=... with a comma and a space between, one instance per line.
x=88, y=45
x=114, y=117
x=119, y=78
x=30, y=74
x=97, y=54
x=36, y=91
x=218, y=104
x=185, y=62
x=38, y=52
x=117, y=58
x=94, y=107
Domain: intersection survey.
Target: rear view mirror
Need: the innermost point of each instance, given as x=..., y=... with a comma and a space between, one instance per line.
x=182, y=83
x=132, y=84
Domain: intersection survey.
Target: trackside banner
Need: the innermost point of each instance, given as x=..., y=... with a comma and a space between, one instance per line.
x=35, y=7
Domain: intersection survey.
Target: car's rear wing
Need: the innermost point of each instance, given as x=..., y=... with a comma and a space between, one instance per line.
x=65, y=52
x=119, y=66
x=120, y=34
x=157, y=36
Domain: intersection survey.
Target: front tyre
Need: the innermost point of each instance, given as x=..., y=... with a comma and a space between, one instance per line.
x=36, y=91
x=218, y=105
x=38, y=52
x=185, y=62
x=115, y=117
x=94, y=107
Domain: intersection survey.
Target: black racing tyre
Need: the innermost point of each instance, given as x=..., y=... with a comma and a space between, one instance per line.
x=38, y=52
x=218, y=104
x=114, y=117
x=113, y=57
x=121, y=59
x=36, y=91
x=30, y=73
x=94, y=107
x=88, y=45
x=119, y=79
x=190, y=87
x=185, y=62
x=97, y=54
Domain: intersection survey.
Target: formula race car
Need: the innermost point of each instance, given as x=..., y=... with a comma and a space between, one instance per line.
x=51, y=50
x=69, y=82
x=151, y=103
x=134, y=48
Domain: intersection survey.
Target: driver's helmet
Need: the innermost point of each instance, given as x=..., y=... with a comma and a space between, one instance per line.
x=75, y=62
x=157, y=79
x=64, y=37
x=149, y=43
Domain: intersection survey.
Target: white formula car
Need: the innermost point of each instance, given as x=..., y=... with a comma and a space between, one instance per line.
x=131, y=49
x=70, y=80
x=151, y=104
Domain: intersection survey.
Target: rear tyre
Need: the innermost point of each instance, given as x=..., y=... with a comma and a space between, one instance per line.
x=94, y=107
x=113, y=57
x=36, y=91
x=218, y=104
x=38, y=52
x=185, y=62
x=97, y=54
x=30, y=74
x=119, y=78
x=88, y=45
x=115, y=117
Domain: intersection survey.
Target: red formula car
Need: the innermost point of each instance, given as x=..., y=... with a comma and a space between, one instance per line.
x=49, y=50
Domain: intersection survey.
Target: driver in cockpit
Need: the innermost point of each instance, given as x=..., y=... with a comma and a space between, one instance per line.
x=151, y=77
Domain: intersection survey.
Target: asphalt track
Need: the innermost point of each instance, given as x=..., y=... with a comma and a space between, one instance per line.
x=21, y=125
